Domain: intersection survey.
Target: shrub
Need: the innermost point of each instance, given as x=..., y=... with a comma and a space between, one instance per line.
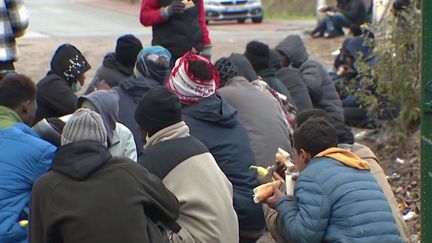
x=397, y=75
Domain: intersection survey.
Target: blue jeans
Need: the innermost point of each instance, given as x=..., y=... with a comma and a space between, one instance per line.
x=335, y=23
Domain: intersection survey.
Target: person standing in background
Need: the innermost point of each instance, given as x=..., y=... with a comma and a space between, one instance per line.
x=14, y=22
x=177, y=25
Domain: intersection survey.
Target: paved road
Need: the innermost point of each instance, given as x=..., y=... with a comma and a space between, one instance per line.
x=63, y=18
x=67, y=18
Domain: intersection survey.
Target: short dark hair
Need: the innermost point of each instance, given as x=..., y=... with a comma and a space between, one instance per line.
x=15, y=89
x=310, y=113
x=315, y=135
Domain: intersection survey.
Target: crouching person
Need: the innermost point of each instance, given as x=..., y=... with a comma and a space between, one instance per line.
x=336, y=196
x=90, y=196
x=186, y=167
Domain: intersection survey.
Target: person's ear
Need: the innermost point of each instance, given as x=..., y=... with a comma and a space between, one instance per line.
x=305, y=156
x=25, y=112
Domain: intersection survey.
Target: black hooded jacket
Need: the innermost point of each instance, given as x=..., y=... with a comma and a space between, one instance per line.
x=215, y=123
x=293, y=81
x=89, y=196
x=55, y=97
x=130, y=93
x=112, y=71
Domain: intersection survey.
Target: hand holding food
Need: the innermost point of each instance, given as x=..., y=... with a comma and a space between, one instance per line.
x=261, y=193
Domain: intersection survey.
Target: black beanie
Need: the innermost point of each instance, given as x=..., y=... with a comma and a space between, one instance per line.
x=158, y=109
x=227, y=70
x=127, y=49
x=258, y=54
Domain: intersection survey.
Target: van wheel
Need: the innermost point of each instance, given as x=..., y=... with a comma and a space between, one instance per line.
x=241, y=21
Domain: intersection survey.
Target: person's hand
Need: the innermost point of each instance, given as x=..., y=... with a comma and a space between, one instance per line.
x=206, y=51
x=326, y=9
x=277, y=196
x=175, y=7
x=102, y=85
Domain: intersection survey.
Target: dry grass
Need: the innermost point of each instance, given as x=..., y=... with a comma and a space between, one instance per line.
x=289, y=8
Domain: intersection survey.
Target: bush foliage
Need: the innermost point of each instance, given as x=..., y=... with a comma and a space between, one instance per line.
x=397, y=75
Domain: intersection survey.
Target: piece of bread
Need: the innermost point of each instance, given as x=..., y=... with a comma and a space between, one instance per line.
x=265, y=191
x=284, y=157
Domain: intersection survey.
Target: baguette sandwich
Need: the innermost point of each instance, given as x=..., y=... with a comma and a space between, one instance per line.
x=261, y=193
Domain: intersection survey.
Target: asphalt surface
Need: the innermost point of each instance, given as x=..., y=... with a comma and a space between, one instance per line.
x=74, y=18
x=94, y=25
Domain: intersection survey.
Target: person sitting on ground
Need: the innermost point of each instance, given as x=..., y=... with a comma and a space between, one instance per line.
x=258, y=54
x=205, y=195
x=151, y=70
x=321, y=89
x=119, y=65
x=56, y=91
x=352, y=83
x=345, y=14
x=106, y=103
x=91, y=196
x=274, y=224
x=260, y=114
x=293, y=81
x=330, y=179
x=246, y=70
x=23, y=155
x=244, y=67
x=119, y=138
x=214, y=122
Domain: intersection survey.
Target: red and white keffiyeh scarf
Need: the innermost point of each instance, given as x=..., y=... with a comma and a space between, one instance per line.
x=186, y=86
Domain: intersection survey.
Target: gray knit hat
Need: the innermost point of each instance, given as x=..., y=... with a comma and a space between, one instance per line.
x=84, y=125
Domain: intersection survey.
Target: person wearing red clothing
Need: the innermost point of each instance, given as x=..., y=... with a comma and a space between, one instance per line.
x=177, y=25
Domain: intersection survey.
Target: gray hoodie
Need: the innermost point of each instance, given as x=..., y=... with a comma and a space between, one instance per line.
x=106, y=103
x=321, y=89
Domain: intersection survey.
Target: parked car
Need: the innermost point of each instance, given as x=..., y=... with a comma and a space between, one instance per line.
x=239, y=10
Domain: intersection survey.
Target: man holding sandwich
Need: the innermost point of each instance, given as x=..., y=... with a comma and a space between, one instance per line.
x=335, y=198
x=177, y=25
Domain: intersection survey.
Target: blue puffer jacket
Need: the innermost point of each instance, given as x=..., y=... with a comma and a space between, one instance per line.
x=215, y=123
x=336, y=203
x=23, y=158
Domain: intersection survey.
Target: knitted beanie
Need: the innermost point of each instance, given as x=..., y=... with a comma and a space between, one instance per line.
x=153, y=63
x=159, y=108
x=84, y=125
x=227, y=70
x=69, y=63
x=127, y=49
x=258, y=54
x=193, y=78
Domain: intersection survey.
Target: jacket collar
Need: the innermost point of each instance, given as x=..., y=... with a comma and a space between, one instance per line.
x=178, y=130
x=8, y=117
